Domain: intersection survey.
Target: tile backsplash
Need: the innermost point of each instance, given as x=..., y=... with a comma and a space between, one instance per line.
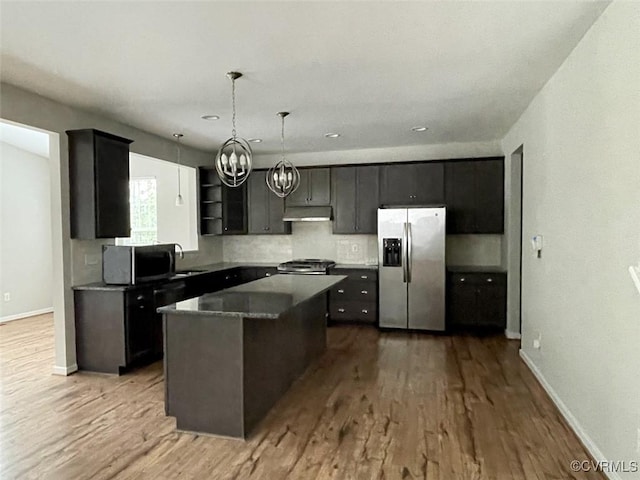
x=316, y=240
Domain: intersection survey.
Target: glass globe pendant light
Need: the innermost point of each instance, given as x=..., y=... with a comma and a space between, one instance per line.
x=179, y=199
x=283, y=178
x=233, y=160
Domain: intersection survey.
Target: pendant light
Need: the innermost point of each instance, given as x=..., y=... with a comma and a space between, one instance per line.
x=233, y=161
x=179, y=199
x=283, y=178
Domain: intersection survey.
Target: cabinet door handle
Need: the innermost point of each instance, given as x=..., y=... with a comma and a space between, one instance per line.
x=364, y=292
x=140, y=297
x=364, y=277
x=365, y=311
x=341, y=310
x=267, y=274
x=462, y=279
x=489, y=280
x=341, y=291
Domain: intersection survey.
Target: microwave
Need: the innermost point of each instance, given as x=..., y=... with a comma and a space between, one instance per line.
x=130, y=265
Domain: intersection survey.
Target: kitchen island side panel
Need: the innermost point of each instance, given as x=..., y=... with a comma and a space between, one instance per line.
x=277, y=352
x=203, y=373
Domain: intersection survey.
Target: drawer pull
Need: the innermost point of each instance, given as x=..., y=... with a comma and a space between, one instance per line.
x=341, y=310
x=462, y=279
x=364, y=277
x=267, y=274
x=364, y=292
x=365, y=311
x=489, y=280
x=340, y=291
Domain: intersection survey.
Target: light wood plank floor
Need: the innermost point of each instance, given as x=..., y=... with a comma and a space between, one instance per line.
x=377, y=405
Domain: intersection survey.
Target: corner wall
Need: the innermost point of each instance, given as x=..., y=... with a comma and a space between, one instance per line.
x=581, y=137
x=70, y=264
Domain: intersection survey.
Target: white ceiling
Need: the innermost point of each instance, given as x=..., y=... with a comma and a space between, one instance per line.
x=368, y=70
x=25, y=139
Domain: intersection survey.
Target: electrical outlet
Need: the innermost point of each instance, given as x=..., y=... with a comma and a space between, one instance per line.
x=537, y=342
x=7, y=296
x=91, y=259
x=355, y=248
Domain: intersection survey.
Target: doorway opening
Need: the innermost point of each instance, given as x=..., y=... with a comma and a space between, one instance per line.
x=515, y=245
x=31, y=265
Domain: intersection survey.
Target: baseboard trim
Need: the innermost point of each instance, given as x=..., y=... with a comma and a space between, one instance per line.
x=512, y=335
x=584, y=438
x=18, y=316
x=65, y=371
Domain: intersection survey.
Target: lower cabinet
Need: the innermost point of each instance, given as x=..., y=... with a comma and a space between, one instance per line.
x=355, y=299
x=119, y=328
x=476, y=300
x=116, y=329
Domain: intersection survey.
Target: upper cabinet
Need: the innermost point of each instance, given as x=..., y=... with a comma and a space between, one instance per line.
x=99, y=184
x=355, y=199
x=223, y=210
x=314, y=189
x=265, y=208
x=475, y=196
x=412, y=184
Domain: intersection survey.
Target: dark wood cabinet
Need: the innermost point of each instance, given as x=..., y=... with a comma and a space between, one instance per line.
x=99, y=184
x=265, y=209
x=355, y=199
x=475, y=196
x=412, y=184
x=223, y=210
x=356, y=298
x=477, y=300
x=116, y=329
x=314, y=189
x=140, y=327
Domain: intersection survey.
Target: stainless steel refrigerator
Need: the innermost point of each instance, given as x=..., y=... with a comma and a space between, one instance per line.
x=411, y=248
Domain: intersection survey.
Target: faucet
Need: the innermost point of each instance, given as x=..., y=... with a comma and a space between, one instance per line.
x=181, y=251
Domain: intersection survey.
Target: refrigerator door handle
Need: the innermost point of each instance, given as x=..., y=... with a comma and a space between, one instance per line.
x=409, y=253
x=405, y=273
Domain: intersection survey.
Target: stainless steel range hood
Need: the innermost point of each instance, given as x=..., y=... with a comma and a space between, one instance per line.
x=307, y=214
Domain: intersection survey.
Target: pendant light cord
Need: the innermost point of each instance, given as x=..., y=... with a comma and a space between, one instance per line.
x=282, y=137
x=233, y=108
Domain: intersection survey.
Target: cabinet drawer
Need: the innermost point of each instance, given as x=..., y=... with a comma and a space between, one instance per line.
x=474, y=278
x=363, y=311
x=357, y=275
x=355, y=291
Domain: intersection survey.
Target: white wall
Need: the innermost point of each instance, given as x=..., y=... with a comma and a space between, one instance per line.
x=75, y=261
x=26, y=271
x=581, y=137
x=176, y=224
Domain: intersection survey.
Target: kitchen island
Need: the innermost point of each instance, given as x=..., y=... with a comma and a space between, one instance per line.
x=230, y=355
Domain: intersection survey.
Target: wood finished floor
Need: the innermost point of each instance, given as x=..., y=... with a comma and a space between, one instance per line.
x=377, y=405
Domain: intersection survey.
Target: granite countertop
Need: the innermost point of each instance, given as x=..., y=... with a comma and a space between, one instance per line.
x=476, y=269
x=198, y=270
x=359, y=266
x=267, y=297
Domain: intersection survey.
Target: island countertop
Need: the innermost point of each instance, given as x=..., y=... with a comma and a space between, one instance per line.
x=267, y=297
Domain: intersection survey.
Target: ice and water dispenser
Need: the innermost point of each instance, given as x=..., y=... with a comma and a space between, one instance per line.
x=391, y=252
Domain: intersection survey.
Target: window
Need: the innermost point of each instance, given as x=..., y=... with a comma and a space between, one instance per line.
x=155, y=217
x=144, y=212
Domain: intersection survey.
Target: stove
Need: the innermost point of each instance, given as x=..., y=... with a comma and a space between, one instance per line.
x=307, y=266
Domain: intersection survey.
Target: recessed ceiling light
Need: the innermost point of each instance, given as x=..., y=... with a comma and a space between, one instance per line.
x=255, y=140
x=332, y=135
x=419, y=129
x=210, y=117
